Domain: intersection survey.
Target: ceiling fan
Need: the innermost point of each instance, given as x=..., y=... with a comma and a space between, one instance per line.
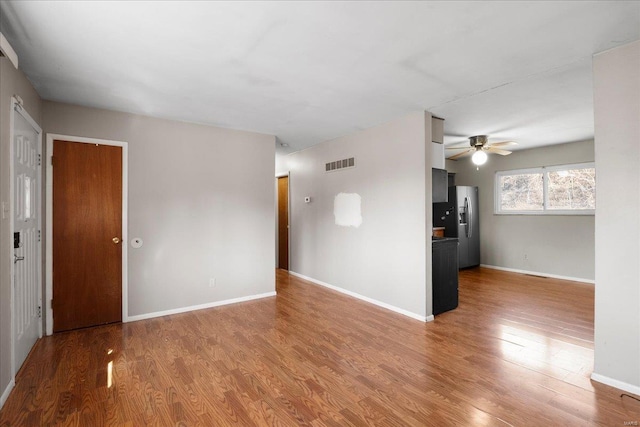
x=480, y=148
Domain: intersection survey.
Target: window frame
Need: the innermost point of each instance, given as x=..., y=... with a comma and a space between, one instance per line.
x=544, y=170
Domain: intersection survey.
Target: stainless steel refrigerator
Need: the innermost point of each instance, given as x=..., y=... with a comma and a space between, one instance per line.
x=459, y=217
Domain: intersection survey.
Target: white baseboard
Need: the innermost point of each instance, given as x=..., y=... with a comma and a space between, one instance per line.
x=536, y=273
x=364, y=298
x=617, y=384
x=7, y=391
x=198, y=307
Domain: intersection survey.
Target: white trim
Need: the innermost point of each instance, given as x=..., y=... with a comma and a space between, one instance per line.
x=549, y=212
x=616, y=383
x=364, y=298
x=49, y=229
x=16, y=106
x=537, y=273
x=10, y=240
x=200, y=306
x=7, y=391
x=8, y=51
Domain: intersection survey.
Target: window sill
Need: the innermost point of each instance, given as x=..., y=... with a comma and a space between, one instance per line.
x=550, y=213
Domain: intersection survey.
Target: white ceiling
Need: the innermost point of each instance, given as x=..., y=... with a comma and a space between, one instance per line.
x=312, y=71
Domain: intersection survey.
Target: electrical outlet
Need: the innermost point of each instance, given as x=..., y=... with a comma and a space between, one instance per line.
x=212, y=282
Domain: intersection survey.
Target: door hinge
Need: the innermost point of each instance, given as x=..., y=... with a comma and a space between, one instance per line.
x=51, y=303
x=39, y=312
x=51, y=160
x=39, y=159
x=39, y=236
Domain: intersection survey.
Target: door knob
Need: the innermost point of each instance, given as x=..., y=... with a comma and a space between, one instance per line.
x=116, y=240
x=17, y=258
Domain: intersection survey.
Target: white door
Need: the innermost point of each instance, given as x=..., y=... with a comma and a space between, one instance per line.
x=27, y=279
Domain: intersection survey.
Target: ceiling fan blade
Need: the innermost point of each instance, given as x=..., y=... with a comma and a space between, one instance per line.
x=497, y=151
x=457, y=148
x=454, y=157
x=502, y=143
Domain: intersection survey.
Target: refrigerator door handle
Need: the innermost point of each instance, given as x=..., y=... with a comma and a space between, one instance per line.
x=466, y=212
x=470, y=218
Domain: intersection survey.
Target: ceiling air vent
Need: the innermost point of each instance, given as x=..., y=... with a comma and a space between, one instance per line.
x=340, y=164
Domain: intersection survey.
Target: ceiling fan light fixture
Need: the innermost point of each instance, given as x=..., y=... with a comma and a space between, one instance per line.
x=479, y=158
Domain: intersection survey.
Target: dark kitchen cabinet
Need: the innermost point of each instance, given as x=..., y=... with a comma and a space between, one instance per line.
x=439, y=186
x=445, y=274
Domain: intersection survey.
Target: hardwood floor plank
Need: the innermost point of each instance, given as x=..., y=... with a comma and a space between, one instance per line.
x=518, y=351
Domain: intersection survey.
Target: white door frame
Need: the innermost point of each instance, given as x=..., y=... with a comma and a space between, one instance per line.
x=16, y=107
x=49, y=228
x=282, y=175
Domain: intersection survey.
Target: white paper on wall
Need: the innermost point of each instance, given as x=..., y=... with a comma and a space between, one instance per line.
x=347, y=209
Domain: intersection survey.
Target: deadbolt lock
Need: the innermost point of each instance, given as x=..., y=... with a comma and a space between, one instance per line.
x=116, y=240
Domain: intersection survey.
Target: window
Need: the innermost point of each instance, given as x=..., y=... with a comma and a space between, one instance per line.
x=552, y=190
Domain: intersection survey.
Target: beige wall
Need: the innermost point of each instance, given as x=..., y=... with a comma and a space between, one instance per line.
x=557, y=245
x=383, y=259
x=617, y=135
x=200, y=197
x=12, y=82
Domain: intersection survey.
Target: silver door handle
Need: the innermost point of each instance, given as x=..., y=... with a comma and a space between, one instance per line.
x=466, y=212
x=17, y=258
x=470, y=217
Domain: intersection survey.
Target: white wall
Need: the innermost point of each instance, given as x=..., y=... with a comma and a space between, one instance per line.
x=437, y=156
x=200, y=197
x=617, y=136
x=383, y=259
x=12, y=82
x=556, y=245
x=281, y=163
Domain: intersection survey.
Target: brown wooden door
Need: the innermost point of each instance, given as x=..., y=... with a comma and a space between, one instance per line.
x=87, y=234
x=283, y=223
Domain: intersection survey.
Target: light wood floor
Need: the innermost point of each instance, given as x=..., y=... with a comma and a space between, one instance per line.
x=518, y=351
